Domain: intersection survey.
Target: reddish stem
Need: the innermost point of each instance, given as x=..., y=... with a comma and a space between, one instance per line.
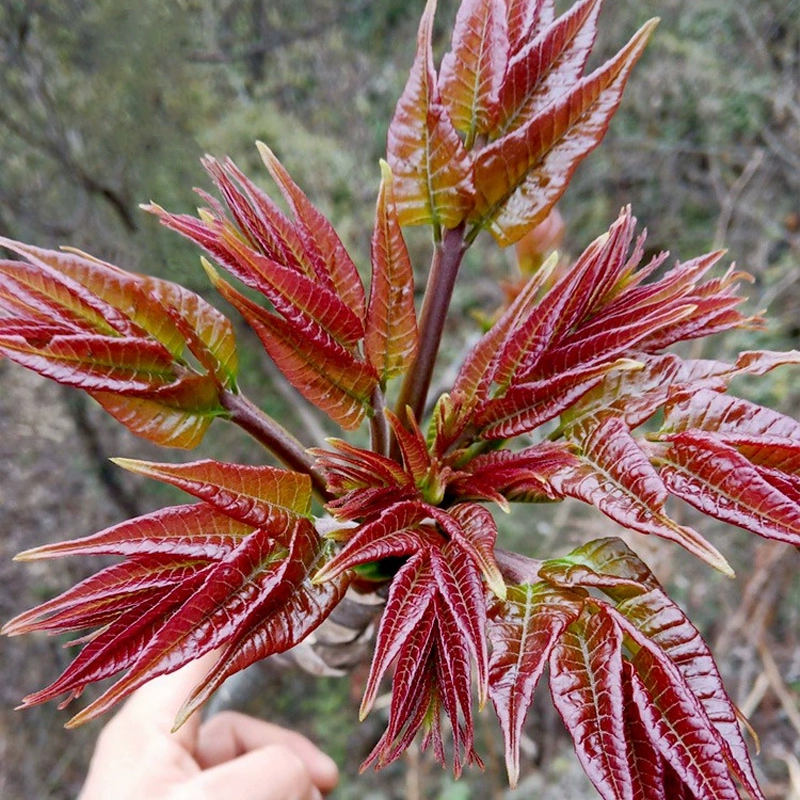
x=442, y=278
x=274, y=437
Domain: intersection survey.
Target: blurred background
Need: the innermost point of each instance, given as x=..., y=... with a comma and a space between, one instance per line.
x=106, y=104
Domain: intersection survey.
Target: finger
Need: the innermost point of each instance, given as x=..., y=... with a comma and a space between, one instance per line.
x=229, y=735
x=152, y=708
x=273, y=772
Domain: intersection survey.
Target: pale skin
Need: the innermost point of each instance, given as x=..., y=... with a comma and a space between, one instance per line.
x=230, y=755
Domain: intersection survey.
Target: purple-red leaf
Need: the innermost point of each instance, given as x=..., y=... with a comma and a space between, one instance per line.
x=412, y=592
x=548, y=65
x=462, y=607
x=586, y=683
x=319, y=237
x=266, y=631
x=327, y=374
x=617, y=477
x=184, y=532
x=523, y=630
x=668, y=629
x=684, y=738
x=255, y=496
x=715, y=478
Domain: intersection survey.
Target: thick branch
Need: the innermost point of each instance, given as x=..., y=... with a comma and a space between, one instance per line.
x=274, y=437
x=438, y=293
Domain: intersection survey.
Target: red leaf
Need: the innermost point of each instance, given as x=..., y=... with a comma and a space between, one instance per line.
x=716, y=479
x=667, y=627
x=391, y=335
x=526, y=20
x=617, y=477
x=412, y=592
x=397, y=532
x=522, y=175
x=473, y=529
x=265, y=632
x=526, y=406
x=417, y=461
x=183, y=532
x=454, y=683
x=480, y=366
x=646, y=765
x=462, y=608
x=96, y=363
x=413, y=693
x=172, y=417
x=523, y=630
x=683, y=737
x=97, y=296
x=102, y=597
x=608, y=564
x=350, y=467
x=506, y=475
x=207, y=332
x=547, y=65
x=433, y=182
x=256, y=496
x=324, y=372
x=319, y=237
x=314, y=310
x=586, y=683
x=707, y=410
x=472, y=72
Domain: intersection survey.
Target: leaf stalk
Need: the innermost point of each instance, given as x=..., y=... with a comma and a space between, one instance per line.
x=447, y=257
x=274, y=437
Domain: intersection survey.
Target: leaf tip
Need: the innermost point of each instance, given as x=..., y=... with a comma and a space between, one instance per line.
x=267, y=156
x=386, y=172
x=130, y=464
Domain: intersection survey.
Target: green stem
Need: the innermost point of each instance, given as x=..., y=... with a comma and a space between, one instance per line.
x=274, y=437
x=439, y=291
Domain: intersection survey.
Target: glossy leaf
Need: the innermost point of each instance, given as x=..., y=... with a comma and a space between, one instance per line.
x=472, y=72
x=252, y=495
x=664, y=624
x=586, y=683
x=433, y=181
x=121, y=337
x=548, y=63
x=523, y=630
x=327, y=374
x=412, y=592
x=680, y=734
x=720, y=482
x=617, y=477
x=319, y=237
x=522, y=175
x=391, y=335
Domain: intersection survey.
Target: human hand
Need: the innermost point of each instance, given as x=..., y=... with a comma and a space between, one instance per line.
x=229, y=755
